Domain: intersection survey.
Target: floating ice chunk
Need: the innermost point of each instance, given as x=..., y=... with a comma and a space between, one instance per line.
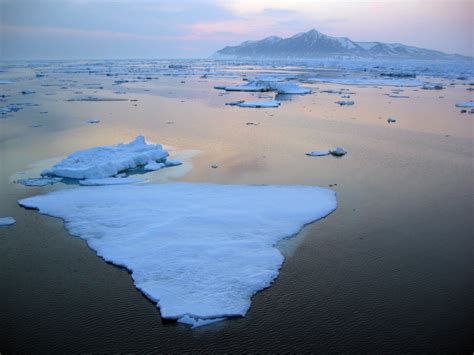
x=196, y=323
x=391, y=120
x=338, y=152
x=27, y=92
x=152, y=166
x=396, y=96
x=429, y=86
x=10, y=108
x=269, y=85
x=173, y=162
x=339, y=92
x=110, y=181
x=234, y=103
x=5, y=82
x=7, y=221
x=345, y=102
x=316, y=153
x=106, y=161
x=260, y=104
x=39, y=181
x=197, y=250
x=465, y=104
x=93, y=120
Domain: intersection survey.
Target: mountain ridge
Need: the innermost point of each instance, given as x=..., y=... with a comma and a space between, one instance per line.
x=314, y=44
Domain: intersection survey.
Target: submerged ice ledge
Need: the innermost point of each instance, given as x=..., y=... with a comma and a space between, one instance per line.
x=200, y=251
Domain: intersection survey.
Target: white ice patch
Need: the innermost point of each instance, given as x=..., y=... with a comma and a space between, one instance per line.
x=106, y=161
x=465, y=104
x=7, y=221
x=197, y=250
x=110, y=181
x=260, y=104
x=316, y=153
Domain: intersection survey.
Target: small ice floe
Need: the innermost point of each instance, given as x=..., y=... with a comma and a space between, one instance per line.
x=35, y=125
x=6, y=221
x=111, y=181
x=39, y=181
x=96, y=99
x=173, y=162
x=93, y=120
x=27, y=92
x=396, y=96
x=194, y=263
x=338, y=91
x=398, y=75
x=234, y=103
x=252, y=123
x=152, y=166
x=106, y=161
x=10, y=108
x=5, y=82
x=345, y=102
x=260, y=104
x=467, y=104
x=391, y=120
x=316, y=153
x=429, y=86
x=338, y=152
x=214, y=166
x=177, y=66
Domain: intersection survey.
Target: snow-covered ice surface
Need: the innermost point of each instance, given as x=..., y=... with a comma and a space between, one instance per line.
x=111, y=181
x=106, y=161
x=260, y=104
x=7, y=221
x=200, y=251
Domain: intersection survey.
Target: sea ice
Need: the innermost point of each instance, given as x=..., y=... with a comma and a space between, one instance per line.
x=152, y=166
x=6, y=221
x=93, y=120
x=40, y=181
x=391, y=120
x=106, y=161
x=110, y=181
x=269, y=85
x=345, y=103
x=260, y=104
x=27, y=92
x=465, y=104
x=316, y=153
x=200, y=251
x=173, y=162
x=338, y=152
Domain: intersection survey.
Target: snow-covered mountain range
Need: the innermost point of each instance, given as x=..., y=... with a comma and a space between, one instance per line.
x=314, y=44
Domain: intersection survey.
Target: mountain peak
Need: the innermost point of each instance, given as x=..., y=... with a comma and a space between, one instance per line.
x=314, y=44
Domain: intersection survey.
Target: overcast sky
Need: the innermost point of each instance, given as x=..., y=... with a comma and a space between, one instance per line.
x=62, y=29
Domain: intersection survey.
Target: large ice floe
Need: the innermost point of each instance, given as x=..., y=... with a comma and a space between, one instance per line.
x=200, y=251
x=281, y=87
x=107, y=161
